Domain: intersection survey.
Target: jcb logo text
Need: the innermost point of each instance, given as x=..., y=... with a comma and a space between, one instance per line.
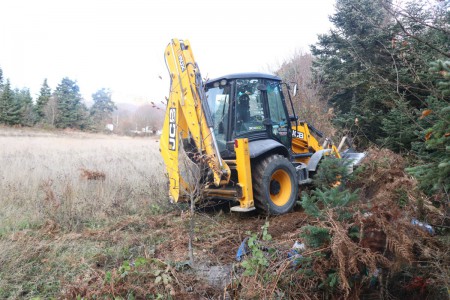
x=182, y=65
x=172, y=129
x=298, y=134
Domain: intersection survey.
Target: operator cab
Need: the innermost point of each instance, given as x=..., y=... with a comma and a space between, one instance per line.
x=248, y=105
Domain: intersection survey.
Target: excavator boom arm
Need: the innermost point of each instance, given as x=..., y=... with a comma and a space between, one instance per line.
x=188, y=116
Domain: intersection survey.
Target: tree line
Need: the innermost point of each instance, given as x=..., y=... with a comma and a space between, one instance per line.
x=62, y=108
x=384, y=69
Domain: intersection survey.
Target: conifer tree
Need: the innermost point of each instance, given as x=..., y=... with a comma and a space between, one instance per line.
x=25, y=102
x=102, y=109
x=348, y=60
x=399, y=127
x=434, y=151
x=72, y=112
x=373, y=66
x=10, y=113
x=1, y=80
x=2, y=104
x=42, y=100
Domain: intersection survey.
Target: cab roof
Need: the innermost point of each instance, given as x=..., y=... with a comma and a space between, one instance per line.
x=245, y=75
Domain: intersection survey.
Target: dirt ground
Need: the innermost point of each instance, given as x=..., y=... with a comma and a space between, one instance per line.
x=219, y=242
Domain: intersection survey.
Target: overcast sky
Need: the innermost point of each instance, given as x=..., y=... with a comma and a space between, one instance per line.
x=120, y=44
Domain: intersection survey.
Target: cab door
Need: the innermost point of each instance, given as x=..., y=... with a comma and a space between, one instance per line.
x=278, y=114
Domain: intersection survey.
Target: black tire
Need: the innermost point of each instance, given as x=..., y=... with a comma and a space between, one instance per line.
x=275, y=185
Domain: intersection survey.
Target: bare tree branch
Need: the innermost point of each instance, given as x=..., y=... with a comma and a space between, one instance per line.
x=402, y=12
x=447, y=54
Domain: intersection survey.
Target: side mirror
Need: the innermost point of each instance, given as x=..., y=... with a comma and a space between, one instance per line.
x=294, y=93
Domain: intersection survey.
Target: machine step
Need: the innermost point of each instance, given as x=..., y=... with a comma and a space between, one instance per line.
x=241, y=209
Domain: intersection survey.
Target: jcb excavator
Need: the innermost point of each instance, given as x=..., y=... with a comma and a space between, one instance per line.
x=256, y=154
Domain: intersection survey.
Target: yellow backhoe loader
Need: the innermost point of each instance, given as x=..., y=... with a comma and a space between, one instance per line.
x=237, y=126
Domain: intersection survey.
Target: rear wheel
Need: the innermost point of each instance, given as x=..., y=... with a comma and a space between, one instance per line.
x=275, y=185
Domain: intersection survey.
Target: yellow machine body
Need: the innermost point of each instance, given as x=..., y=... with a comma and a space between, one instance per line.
x=303, y=142
x=185, y=118
x=188, y=119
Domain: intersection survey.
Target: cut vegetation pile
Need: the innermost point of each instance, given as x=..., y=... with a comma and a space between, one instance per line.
x=354, y=241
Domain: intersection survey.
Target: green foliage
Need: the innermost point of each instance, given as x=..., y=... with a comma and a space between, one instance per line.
x=10, y=108
x=3, y=102
x=398, y=126
x=324, y=199
x=331, y=282
x=141, y=271
x=42, y=100
x=64, y=109
x=373, y=67
x=1, y=80
x=315, y=236
x=345, y=65
x=443, y=69
x=325, y=202
x=332, y=171
x=434, y=150
x=72, y=112
x=102, y=109
x=16, y=106
x=162, y=277
x=257, y=260
x=25, y=102
x=401, y=197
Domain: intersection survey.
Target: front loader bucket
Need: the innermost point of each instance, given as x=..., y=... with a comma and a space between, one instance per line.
x=352, y=157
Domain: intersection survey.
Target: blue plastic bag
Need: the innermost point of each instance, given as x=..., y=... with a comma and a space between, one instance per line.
x=423, y=225
x=243, y=250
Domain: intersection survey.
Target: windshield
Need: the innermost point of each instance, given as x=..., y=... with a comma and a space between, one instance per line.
x=249, y=106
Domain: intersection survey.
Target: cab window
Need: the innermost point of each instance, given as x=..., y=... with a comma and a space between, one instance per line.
x=218, y=101
x=249, y=107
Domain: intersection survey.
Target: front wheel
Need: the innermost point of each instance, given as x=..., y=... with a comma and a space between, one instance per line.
x=275, y=186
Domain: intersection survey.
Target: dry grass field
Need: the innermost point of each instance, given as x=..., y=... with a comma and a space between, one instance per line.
x=86, y=216
x=76, y=209
x=71, y=181
x=75, y=179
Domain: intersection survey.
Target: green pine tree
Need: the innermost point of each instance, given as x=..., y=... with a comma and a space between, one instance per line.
x=102, y=109
x=433, y=172
x=1, y=80
x=72, y=112
x=25, y=102
x=374, y=64
x=399, y=127
x=42, y=100
x=349, y=58
x=2, y=103
x=10, y=109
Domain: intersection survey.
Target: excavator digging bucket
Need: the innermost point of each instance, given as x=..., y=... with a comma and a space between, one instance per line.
x=352, y=158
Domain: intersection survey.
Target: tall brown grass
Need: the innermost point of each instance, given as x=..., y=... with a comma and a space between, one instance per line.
x=51, y=176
